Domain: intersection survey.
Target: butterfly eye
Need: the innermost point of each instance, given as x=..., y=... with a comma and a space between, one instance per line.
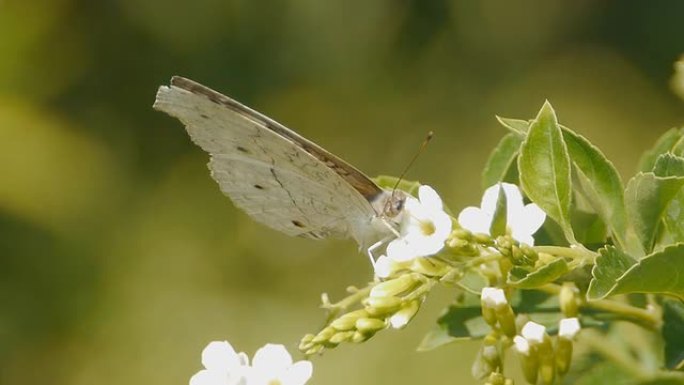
x=399, y=205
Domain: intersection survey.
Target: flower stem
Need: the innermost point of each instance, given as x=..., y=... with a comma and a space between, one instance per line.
x=570, y=252
x=644, y=317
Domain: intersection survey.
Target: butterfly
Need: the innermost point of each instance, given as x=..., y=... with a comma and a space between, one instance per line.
x=278, y=177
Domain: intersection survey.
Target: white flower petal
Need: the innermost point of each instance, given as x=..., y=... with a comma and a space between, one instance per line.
x=475, y=220
x=489, y=198
x=400, y=250
x=514, y=199
x=206, y=377
x=442, y=223
x=272, y=358
x=429, y=198
x=298, y=374
x=220, y=355
x=383, y=266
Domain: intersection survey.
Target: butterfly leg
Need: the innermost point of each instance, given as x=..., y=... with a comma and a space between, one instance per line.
x=376, y=246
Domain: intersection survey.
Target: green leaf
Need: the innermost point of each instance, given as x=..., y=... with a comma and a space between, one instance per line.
x=600, y=182
x=673, y=333
x=501, y=163
x=523, y=279
x=498, y=226
x=456, y=324
x=661, y=272
x=610, y=265
x=388, y=182
x=589, y=228
x=544, y=167
x=672, y=165
x=646, y=197
x=669, y=164
x=516, y=126
x=667, y=143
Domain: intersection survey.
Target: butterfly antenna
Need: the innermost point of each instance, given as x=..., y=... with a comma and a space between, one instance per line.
x=427, y=139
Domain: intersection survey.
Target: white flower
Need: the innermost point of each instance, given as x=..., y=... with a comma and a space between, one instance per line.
x=272, y=365
x=222, y=366
x=522, y=220
x=424, y=229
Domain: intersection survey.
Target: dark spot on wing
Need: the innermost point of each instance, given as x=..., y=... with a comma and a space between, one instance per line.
x=242, y=149
x=298, y=223
x=205, y=116
x=260, y=187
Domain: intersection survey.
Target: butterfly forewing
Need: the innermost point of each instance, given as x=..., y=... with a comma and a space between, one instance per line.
x=276, y=176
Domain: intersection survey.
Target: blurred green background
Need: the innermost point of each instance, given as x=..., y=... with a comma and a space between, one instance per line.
x=119, y=257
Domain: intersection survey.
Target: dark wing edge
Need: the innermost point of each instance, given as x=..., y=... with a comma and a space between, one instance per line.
x=349, y=173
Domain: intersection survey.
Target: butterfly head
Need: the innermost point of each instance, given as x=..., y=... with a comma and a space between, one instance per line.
x=389, y=206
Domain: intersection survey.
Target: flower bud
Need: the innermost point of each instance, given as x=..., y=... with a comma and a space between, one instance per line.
x=369, y=325
x=340, y=337
x=457, y=244
x=461, y=233
x=394, y=287
x=314, y=350
x=563, y=355
x=489, y=298
x=306, y=342
x=568, y=328
x=324, y=335
x=496, y=379
x=568, y=299
x=429, y=267
x=377, y=306
x=490, y=351
x=359, y=337
x=495, y=308
x=401, y=318
x=483, y=239
x=529, y=361
x=348, y=320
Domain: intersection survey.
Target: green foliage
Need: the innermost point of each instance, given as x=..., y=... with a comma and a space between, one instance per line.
x=599, y=183
x=544, y=167
x=608, y=268
x=671, y=141
x=673, y=333
x=501, y=165
x=524, y=279
x=647, y=197
x=660, y=272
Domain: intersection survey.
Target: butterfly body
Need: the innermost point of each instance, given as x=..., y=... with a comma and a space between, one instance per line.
x=275, y=175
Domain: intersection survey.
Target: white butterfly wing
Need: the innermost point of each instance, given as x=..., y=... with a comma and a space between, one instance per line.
x=276, y=176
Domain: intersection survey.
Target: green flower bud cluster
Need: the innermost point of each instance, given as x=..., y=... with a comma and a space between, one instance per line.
x=392, y=303
x=542, y=359
x=519, y=254
x=462, y=242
